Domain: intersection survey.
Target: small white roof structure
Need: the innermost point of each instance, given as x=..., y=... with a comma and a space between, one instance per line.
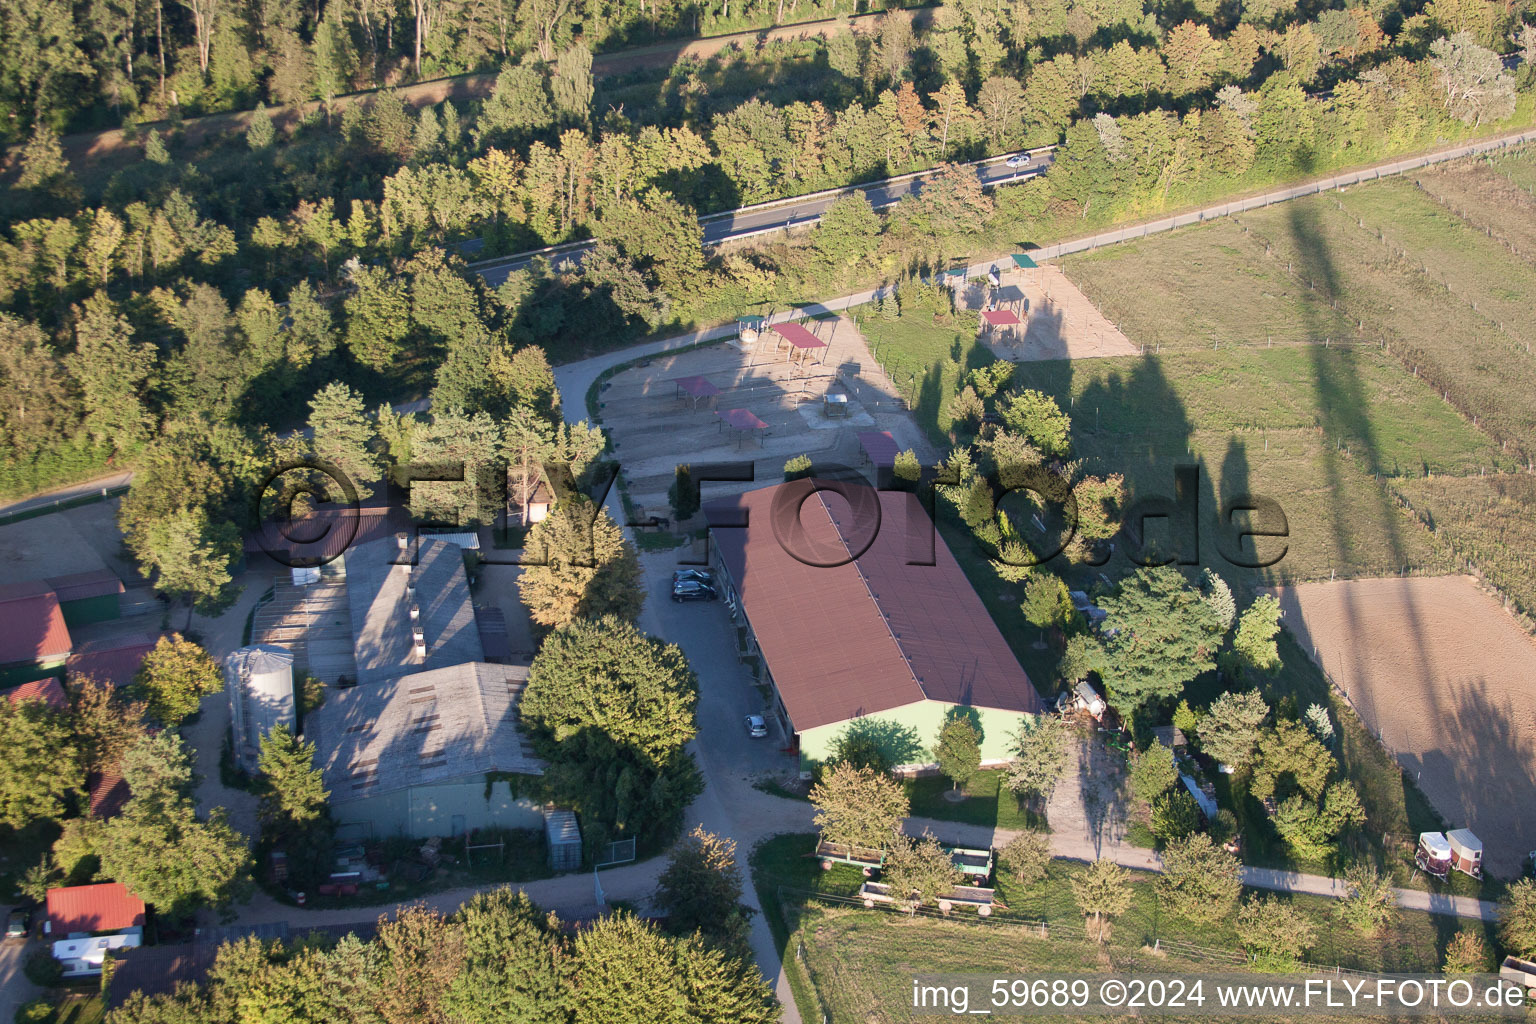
x=85, y=956
x=1435, y=844
x=1463, y=841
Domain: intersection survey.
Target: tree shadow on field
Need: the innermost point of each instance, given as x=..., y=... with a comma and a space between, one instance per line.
x=1344, y=416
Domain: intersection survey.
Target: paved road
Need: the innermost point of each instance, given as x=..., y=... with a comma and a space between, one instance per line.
x=15, y=987
x=763, y=218
x=65, y=493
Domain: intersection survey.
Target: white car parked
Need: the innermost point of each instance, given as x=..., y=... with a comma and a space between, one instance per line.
x=756, y=726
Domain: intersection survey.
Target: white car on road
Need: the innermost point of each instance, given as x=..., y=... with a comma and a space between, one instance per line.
x=1018, y=160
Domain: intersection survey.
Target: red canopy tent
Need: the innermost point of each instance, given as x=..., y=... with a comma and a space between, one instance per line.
x=695, y=388
x=798, y=337
x=999, y=320
x=879, y=447
x=741, y=419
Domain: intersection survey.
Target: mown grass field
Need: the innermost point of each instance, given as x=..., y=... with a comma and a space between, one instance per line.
x=1308, y=426
x=1203, y=288
x=1421, y=303
x=926, y=360
x=988, y=802
x=1480, y=193
x=1489, y=519
x=859, y=963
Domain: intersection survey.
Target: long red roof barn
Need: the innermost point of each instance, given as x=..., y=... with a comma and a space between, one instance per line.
x=875, y=633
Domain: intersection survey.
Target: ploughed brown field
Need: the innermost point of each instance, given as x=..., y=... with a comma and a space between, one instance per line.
x=1448, y=680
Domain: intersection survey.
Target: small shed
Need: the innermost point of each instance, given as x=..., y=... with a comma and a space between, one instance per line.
x=563, y=835
x=834, y=405
x=1433, y=854
x=1466, y=852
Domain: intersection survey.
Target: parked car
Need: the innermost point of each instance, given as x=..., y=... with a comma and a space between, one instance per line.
x=1018, y=160
x=757, y=728
x=689, y=590
x=694, y=576
x=18, y=924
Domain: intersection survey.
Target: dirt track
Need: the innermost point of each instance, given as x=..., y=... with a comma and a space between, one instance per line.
x=1448, y=680
x=99, y=148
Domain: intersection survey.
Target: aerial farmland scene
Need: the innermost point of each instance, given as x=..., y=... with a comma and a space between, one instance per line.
x=575, y=512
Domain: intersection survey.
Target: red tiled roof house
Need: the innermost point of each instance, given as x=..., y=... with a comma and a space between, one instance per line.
x=90, y=909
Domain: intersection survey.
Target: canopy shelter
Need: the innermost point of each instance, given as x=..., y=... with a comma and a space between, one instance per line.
x=749, y=327
x=800, y=340
x=953, y=276
x=695, y=389
x=742, y=421
x=879, y=447
x=999, y=321
x=1023, y=262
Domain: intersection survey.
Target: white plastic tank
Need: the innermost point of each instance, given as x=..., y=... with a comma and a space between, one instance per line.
x=259, y=680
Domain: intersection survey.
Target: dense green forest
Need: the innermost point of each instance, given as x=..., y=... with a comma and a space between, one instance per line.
x=182, y=307
x=100, y=63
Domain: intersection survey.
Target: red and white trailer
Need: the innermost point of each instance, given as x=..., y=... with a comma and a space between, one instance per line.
x=1433, y=855
x=1466, y=852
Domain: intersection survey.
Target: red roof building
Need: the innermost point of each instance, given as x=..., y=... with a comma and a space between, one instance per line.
x=46, y=690
x=83, y=585
x=114, y=661
x=32, y=629
x=84, y=909
x=862, y=610
x=108, y=793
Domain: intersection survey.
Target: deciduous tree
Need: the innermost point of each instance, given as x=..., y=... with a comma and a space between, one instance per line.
x=1040, y=759
x=41, y=766
x=1102, y=891
x=158, y=846
x=174, y=677
x=1026, y=856
x=919, y=872
x=958, y=750
x=859, y=806
x=1201, y=881
x=607, y=676
x=700, y=890
x=1274, y=930
x=1370, y=902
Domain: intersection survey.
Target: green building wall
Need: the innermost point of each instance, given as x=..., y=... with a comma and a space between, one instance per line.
x=438, y=809
x=102, y=608
x=915, y=731
x=18, y=672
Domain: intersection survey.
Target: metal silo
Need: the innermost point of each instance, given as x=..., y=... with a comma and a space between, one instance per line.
x=259, y=680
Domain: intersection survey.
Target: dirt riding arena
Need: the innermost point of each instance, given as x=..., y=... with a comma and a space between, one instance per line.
x=1059, y=321
x=1448, y=680
x=656, y=425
